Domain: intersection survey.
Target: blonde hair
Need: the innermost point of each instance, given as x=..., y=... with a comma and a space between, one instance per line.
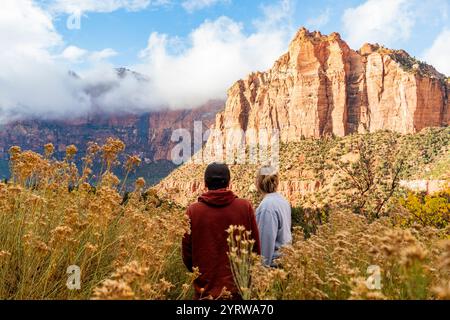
x=267, y=179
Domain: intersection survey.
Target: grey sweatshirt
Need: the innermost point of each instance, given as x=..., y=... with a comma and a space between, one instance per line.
x=274, y=223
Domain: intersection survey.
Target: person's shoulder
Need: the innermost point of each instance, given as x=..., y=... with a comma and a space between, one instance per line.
x=242, y=202
x=269, y=201
x=284, y=199
x=273, y=202
x=243, y=205
x=195, y=206
x=280, y=197
x=266, y=205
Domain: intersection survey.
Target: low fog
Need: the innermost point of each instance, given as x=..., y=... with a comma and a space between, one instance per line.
x=40, y=76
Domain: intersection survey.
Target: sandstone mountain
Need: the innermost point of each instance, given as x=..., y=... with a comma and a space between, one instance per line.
x=322, y=88
x=147, y=134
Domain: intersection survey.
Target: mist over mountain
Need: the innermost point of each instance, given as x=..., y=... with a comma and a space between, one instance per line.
x=177, y=73
x=147, y=134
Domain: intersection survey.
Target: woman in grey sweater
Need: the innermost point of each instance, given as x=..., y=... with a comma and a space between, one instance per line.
x=273, y=216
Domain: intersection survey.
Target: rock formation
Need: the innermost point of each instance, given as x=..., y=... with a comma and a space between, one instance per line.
x=322, y=87
x=148, y=135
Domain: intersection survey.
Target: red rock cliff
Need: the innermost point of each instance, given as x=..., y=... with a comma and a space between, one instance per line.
x=321, y=86
x=148, y=135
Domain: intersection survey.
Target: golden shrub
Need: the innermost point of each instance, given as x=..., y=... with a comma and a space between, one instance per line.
x=52, y=217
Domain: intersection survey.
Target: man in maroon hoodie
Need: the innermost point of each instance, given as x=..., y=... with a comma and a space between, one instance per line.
x=206, y=246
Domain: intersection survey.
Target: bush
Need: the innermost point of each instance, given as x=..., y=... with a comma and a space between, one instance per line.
x=309, y=219
x=334, y=263
x=427, y=210
x=51, y=218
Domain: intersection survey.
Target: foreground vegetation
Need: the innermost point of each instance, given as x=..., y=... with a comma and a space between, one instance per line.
x=127, y=245
x=52, y=218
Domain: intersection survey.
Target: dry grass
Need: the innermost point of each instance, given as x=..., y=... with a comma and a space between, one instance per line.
x=52, y=217
x=333, y=263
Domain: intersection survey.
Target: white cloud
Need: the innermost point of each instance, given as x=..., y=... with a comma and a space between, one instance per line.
x=112, y=94
x=26, y=30
x=182, y=72
x=30, y=81
x=194, y=5
x=35, y=80
x=277, y=17
x=439, y=53
x=103, y=54
x=382, y=21
x=77, y=6
x=215, y=55
x=74, y=54
x=321, y=20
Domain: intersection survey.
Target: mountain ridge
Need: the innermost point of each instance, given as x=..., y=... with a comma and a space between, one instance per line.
x=321, y=88
x=147, y=135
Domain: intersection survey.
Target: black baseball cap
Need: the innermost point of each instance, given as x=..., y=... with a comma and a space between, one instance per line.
x=217, y=176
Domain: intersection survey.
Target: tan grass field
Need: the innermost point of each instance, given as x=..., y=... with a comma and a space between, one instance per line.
x=51, y=217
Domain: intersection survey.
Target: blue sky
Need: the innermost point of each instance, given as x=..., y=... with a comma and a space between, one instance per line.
x=191, y=51
x=127, y=31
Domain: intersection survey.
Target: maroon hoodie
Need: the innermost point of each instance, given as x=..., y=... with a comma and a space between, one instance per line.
x=206, y=246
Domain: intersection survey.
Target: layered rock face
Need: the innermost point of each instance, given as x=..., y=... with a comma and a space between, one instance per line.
x=147, y=135
x=186, y=192
x=322, y=87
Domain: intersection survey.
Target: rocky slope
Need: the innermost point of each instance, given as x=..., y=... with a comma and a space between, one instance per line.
x=322, y=87
x=309, y=172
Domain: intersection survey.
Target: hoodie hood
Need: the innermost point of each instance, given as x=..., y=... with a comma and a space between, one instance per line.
x=218, y=198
